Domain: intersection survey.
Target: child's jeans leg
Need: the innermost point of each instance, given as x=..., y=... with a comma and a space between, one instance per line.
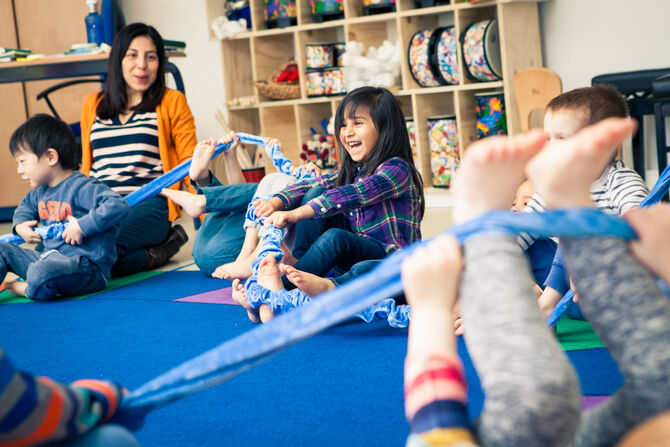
x=103, y=436
x=15, y=259
x=55, y=273
x=146, y=225
x=337, y=247
x=229, y=198
x=220, y=237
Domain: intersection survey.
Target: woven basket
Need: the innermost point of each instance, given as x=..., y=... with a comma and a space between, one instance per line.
x=275, y=90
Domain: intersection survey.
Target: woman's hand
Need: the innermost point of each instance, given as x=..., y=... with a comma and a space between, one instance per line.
x=263, y=208
x=26, y=231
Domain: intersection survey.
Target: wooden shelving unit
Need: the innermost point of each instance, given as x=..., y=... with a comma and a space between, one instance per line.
x=255, y=54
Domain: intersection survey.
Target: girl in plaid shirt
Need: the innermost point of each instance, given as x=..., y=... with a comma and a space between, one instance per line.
x=371, y=207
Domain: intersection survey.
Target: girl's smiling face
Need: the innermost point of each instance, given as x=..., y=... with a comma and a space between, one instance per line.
x=358, y=134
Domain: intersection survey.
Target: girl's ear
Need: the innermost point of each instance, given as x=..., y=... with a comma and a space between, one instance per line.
x=52, y=156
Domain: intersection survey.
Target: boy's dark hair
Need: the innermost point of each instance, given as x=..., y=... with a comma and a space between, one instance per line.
x=596, y=103
x=115, y=97
x=42, y=132
x=389, y=120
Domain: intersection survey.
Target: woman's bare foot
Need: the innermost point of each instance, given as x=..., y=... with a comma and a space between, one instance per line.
x=269, y=277
x=240, y=269
x=192, y=204
x=18, y=288
x=309, y=283
x=565, y=170
x=490, y=173
x=240, y=297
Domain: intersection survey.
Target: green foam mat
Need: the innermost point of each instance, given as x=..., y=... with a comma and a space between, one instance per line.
x=114, y=283
x=577, y=334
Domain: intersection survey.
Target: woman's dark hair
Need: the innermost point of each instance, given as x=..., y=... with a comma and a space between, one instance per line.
x=115, y=96
x=389, y=121
x=43, y=132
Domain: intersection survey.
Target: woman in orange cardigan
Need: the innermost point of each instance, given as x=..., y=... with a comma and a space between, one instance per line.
x=133, y=131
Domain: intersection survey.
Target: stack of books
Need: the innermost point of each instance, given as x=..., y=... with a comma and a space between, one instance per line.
x=12, y=54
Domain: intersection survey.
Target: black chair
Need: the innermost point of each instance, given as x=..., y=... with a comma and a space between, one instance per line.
x=644, y=98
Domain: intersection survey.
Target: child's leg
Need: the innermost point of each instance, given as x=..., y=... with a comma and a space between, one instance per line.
x=241, y=267
x=532, y=394
x=15, y=259
x=56, y=274
x=617, y=295
x=337, y=247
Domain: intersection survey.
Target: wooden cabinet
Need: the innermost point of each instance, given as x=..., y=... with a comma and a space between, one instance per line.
x=255, y=54
x=48, y=27
x=12, y=114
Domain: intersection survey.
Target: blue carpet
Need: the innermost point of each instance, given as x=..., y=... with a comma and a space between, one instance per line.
x=341, y=387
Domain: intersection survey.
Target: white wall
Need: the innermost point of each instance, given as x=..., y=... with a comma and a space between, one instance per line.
x=201, y=70
x=584, y=38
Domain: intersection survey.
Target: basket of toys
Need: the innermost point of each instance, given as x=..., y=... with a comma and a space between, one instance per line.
x=282, y=84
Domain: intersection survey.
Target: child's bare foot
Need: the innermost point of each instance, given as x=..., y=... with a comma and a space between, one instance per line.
x=564, y=171
x=192, y=204
x=490, y=173
x=202, y=154
x=241, y=269
x=288, y=258
x=269, y=277
x=309, y=283
x=18, y=288
x=240, y=297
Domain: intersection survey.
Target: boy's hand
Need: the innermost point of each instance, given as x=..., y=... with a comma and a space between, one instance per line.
x=73, y=234
x=263, y=208
x=25, y=230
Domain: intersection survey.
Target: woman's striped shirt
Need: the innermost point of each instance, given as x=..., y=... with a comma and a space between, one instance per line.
x=126, y=155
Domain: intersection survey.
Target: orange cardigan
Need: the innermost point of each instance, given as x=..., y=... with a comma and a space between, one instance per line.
x=176, y=135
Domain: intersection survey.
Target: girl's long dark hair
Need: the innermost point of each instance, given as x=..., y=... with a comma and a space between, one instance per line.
x=115, y=96
x=389, y=121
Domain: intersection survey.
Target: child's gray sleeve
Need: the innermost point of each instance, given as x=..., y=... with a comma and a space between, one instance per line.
x=106, y=208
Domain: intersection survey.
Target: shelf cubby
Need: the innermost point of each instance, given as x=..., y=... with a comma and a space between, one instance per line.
x=256, y=54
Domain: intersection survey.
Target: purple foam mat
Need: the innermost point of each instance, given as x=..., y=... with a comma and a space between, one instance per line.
x=220, y=296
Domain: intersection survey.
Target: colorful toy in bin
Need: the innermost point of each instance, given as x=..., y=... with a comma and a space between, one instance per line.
x=481, y=50
x=316, y=85
x=411, y=130
x=280, y=13
x=319, y=55
x=443, y=47
x=326, y=10
x=444, y=150
x=418, y=58
x=333, y=80
x=320, y=150
x=339, y=48
x=490, y=111
x=378, y=6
